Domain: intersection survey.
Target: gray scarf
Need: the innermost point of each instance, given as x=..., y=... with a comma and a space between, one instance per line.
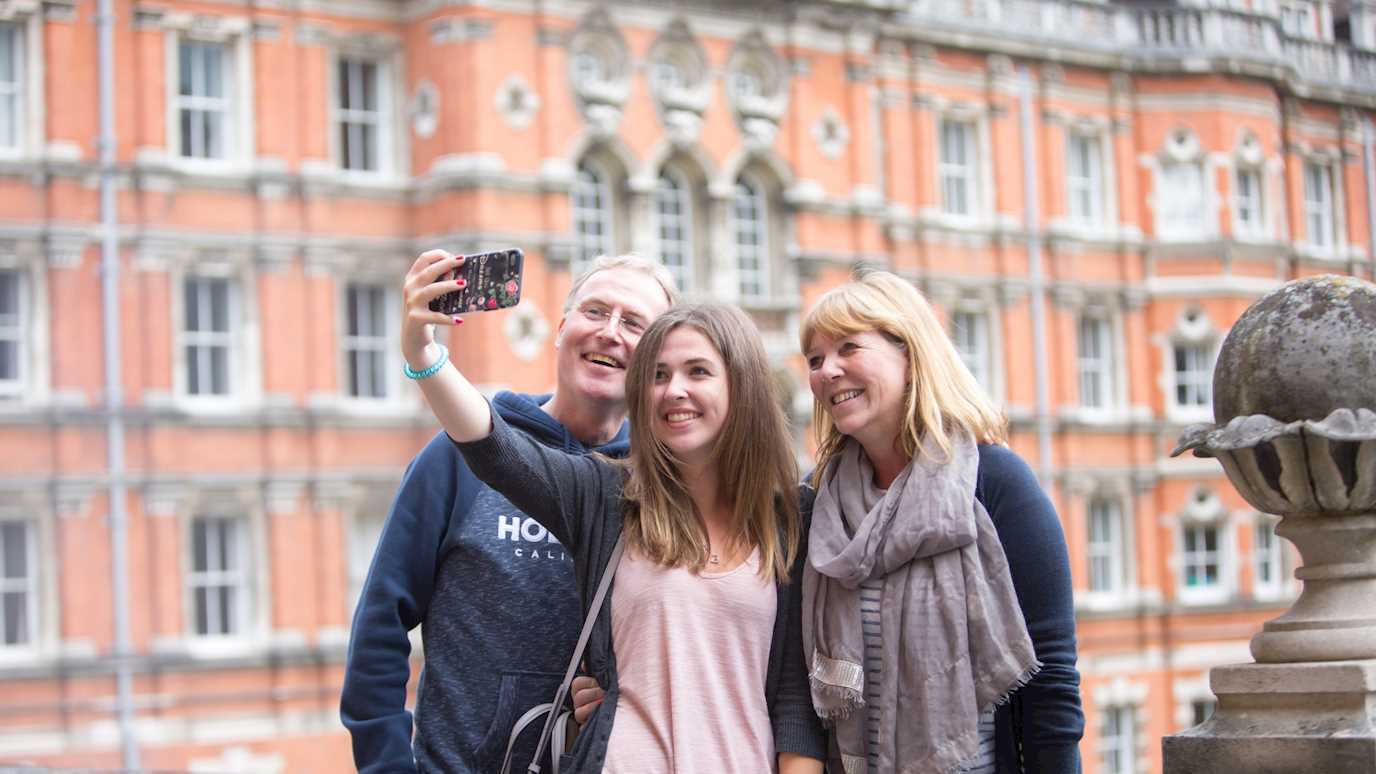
x=954, y=640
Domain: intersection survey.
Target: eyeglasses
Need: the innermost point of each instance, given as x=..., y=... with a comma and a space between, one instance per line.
x=630, y=326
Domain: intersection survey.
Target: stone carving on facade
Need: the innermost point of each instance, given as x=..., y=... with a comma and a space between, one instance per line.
x=526, y=331
x=679, y=82
x=600, y=70
x=757, y=87
x=830, y=133
x=1295, y=431
x=425, y=109
x=517, y=102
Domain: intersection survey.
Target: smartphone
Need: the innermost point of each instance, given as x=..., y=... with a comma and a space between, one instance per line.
x=494, y=282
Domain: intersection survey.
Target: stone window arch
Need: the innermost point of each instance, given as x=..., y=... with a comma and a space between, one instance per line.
x=757, y=88
x=679, y=220
x=1251, y=199
x=597, y=200
x=1205, y=557
x=1121, y=721
x=679, y=82
x=599, y=71
x=1190, y=353
x=1104, y=511
x=1183, y=200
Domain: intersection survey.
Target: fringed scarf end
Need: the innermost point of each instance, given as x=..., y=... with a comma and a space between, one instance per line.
x=1026, y=677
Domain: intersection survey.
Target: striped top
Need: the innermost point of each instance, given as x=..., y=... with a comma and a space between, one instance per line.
x=871, y=595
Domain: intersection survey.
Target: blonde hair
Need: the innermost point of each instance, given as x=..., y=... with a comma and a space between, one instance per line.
x=942, y=393
x=629, y=261
x=755, y=466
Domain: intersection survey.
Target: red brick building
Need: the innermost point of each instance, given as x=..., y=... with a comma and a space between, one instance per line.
x=1091, y=193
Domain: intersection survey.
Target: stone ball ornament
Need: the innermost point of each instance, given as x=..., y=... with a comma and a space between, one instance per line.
x=1295, y=431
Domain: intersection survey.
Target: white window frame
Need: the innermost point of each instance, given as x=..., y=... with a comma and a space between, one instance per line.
x=1122, y=720
x=28, y=585
x=674, y=225
x=1268, y=549
x=972, y=335
x=1102, y=365
x=381, y=118
x=201, y=103
x=1202, y=514
x=239, y=579
x=27, y=88
x=1193, y=379
x=232, y=34
x=246, y=389
x=1086, y=190
x=1182, y=198
x=1198, y=559
x=1249, y=207
x=1111, y=548
x=1320, y=205
x=15, y=332
x=1297, y=19
x=14, y=92
x=1194, y=332
x=31, y=267
x=380, y=343
x=593, y=206
x=209, y=339
x=364, y=531
x=750, y=238
x=959, y=172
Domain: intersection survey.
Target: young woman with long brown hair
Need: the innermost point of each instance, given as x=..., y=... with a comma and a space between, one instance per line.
x=698, y=645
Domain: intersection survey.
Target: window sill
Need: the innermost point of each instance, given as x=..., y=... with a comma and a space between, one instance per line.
x=1186, y=238
x=1109, y=601
x=1205, y=597
x=1189, y=415
x=1320, y=252
x=23, y=656
x=211, y=648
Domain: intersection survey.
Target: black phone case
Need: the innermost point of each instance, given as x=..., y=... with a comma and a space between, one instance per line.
x=494, y=282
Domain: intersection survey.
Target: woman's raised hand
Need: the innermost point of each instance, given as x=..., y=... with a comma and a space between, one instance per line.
x=417, y=291
x=460, y=408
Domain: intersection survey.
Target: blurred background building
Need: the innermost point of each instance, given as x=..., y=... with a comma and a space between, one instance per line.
x=1090, y=192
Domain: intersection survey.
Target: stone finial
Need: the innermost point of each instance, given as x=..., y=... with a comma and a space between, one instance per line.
x=1295, y=413
x=1302, y=352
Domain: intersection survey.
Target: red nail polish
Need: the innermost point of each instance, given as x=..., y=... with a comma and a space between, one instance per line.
x=462, y=283
x=458, y=321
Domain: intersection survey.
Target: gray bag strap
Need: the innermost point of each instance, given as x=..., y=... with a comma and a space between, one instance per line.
x=554, y=719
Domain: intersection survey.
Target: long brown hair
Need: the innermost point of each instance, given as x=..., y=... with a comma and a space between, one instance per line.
x=754, y=461
x=942, y=394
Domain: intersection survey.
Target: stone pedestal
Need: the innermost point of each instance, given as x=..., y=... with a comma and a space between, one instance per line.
x=1317, y=718
x=1295, y=413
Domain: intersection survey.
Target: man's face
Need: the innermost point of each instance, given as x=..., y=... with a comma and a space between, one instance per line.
x=601, y=330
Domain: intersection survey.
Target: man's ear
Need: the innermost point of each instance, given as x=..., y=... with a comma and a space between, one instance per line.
x=559, y=332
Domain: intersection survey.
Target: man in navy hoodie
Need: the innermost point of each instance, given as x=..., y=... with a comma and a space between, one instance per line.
x=492, y=591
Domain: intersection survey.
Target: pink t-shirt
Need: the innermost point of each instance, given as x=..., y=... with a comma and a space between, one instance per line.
x=692, y=652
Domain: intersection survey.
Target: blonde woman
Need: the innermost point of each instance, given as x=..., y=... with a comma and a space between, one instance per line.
x=698, y=644
x=937, y=610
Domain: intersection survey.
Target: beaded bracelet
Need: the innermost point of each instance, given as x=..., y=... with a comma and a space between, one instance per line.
x=432, y=370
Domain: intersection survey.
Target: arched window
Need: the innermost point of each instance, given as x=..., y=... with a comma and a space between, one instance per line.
x=674, y=226
x=750, y=234
x=592, y=215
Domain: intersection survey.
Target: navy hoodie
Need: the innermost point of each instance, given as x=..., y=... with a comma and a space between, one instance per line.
x=495, y=597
